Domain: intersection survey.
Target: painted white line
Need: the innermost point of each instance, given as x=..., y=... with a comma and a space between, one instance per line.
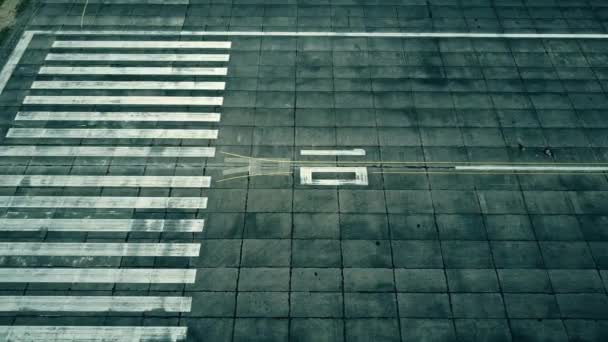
x=334, y=34
x=107, y=202
x=35, y=333
x=138, y=57
x=94, y=303
x=138, y=44
x=119, y=116
x=126, y=100
x=102, y=225
x=97, y=275
x=103, y=133
x=105, y=181
x=107, y=151
x=162, y=71
x=14, y=58
x=530, y=168
x=353, y=152
x=360, y=176
x=134, y=85
x=99, y=249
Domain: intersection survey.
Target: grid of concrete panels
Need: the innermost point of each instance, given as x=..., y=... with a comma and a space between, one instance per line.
x=92, y=234
x=342, y=15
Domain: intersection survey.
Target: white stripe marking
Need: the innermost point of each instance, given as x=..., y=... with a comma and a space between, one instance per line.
x=353, y=152
x=35, y=333
x=306, y=176
x=102, y=225
x=126, y=100
x=107, y=151
x=531, y=168
x=14, y=58
x=97, y=275
x=99, y=249
x=119, y=116
x=106, y=202
x=95, y=303
x=164, y=71
x=106, y=181
x=138, y=57
x=135, y=44
x=107, y=133
x=145, y=85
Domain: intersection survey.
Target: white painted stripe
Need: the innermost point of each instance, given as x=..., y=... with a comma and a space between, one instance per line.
x=35, y=333
x=138, y=44
x=164, y=71
x=353, y=152
x=334, y=34
x=106, y=181
x=102, y=225
x=126, y=100
x=119, y=116
x=99, y=249
x=531, y=168
x=107, y=133
x=307, y=173
x=107, y=151
x=95, y=303
x=97, y=275
x=14, y=58
x=138, y=57
x=135, y=85
x=106, y=202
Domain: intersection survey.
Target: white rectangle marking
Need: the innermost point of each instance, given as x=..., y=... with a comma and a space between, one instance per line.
x=138, y=57
x=95, y=303
x=107, y=151
x=125, y=100
x=107, y=202
x=97, y=275
x=119, y=116
x=531, y=168
x=102, y=225
x=134, y=85
x=306, y=176
x=164, y=71
x=103, y=133
x=138, y=44
x=36, y=333
x=99, y=249
x=353, y=152
x=105, y=181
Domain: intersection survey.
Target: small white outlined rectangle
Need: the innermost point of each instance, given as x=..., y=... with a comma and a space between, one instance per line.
x=306, y=176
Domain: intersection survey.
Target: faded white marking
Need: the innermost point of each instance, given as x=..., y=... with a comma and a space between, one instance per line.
x=97, y=275
x=307, y=176
x=119, y=116
x=102, y=225
x=99, y=249
x=107, y=151
x=35, y=333
x=138, y=44
x=107, y=133
x=125, y=100
x=95, y=303
x=353, y=152
x=105, y=181
x=14, y=58
x=138, y=57
x=530, y=168
x=135, y=85
x=164, y=71
x=106, y=202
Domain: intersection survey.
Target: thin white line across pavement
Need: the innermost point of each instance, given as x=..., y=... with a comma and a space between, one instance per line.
x=97, y=275
x=138, y=44
x=99, y=249
x=125, y=100
x=108, y=133
x=536, y=168
x=107, y=151
x=105, y=181
x=103, y=202
x=162, y=71
x=36, y=333
x=101, y=225
x=94, y=303
x=133, y=85
x=138, y=57
x=119, y=116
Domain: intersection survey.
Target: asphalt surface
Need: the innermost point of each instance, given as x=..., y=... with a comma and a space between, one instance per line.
x=478, y=212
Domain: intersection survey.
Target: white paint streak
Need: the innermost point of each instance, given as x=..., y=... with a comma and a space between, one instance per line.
x=134, y=85
x=353, y=152
x=14, y=58
x=360, y=173
x=94, y=303
x=97, y=275
x=102, y=225
x=35, y=333
x=531, y=168
x=107, y=151
x=106, y=202
x=125, y=100
x=138, y=44
x=162, y=71
x=119, y=116
x=106, y=133
x=138, y=57
x=105, y=181
x=99, y=249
